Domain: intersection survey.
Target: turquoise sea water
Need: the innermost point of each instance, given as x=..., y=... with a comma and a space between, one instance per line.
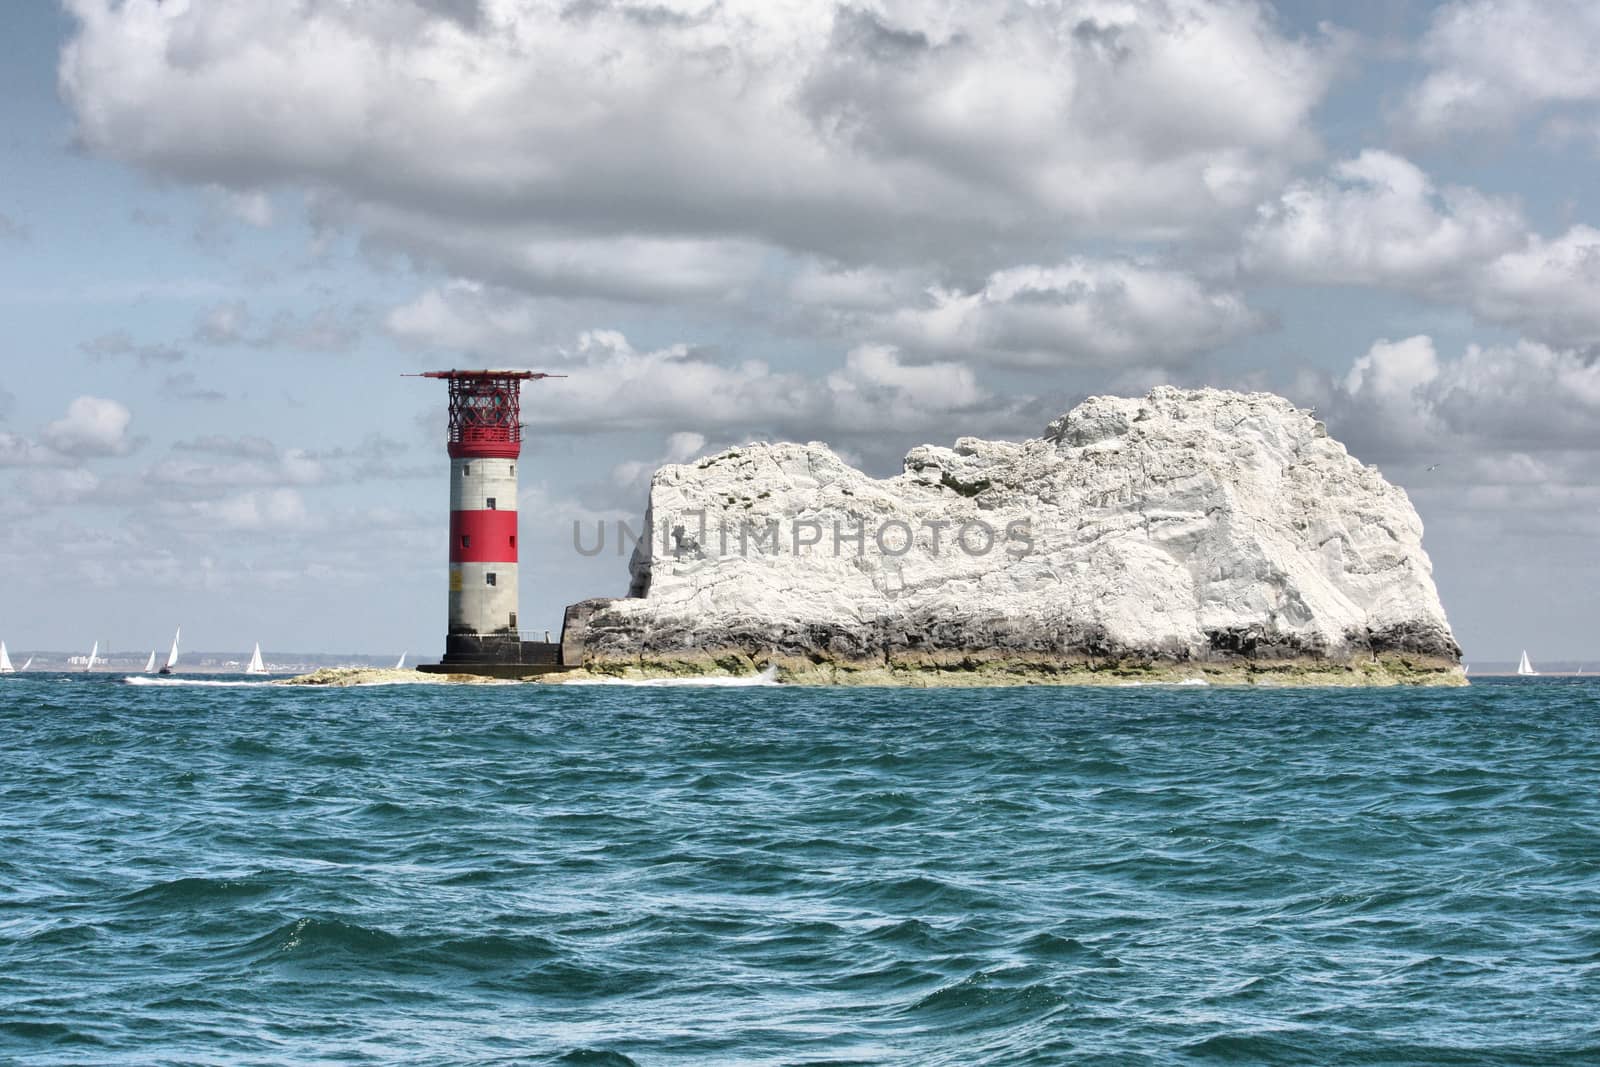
x=624, y=875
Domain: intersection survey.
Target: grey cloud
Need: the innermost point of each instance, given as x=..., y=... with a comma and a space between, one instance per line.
x=219, y=445
x=327, y=329
x=1403, y=402
x=19, y=451
x=1082, y=313
x=215, y=461
x=994, y=142
x=466, y=13
x=120, y=343
x=187, y=387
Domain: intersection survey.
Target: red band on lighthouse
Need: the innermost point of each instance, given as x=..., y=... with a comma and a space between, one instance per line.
x=483, y=537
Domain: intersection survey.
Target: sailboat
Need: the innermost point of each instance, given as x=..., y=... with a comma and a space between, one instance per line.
x=93, y=652
x=400, y=664
x=150, y=664
x=172, y=657
x=256, y=666
x=26, y=665
x=1525, y=667
x=5, y=660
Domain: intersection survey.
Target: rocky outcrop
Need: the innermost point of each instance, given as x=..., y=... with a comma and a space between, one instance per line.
x=1183, y=535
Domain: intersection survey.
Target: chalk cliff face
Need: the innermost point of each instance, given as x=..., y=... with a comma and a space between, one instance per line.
x=1184, y=534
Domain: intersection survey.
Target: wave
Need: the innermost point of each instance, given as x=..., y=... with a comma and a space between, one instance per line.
x=765, y=678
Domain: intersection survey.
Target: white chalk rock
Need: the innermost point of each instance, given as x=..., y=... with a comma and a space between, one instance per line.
x=1183, y=527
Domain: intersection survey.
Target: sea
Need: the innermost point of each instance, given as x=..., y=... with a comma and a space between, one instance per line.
x=603, y=875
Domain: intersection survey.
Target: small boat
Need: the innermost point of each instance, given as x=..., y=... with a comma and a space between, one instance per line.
x=172, y=657
x=256, y=666
x=400, y=664
x=93, y=652
x=5, y=660
x=1524, y=667
x=150, y=664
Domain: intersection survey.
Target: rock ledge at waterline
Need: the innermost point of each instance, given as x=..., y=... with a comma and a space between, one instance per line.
x=1184, y=535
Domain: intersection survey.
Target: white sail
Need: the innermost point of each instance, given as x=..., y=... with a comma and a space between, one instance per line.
x=256, y=666
x=150, y=664
x=28, y=663
x=5, y=660
x=93, y=652
x=1525, y=667
x=400, y=664
x=172, y=657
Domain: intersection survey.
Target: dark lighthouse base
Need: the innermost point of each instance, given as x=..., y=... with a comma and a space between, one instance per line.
x=497, y=656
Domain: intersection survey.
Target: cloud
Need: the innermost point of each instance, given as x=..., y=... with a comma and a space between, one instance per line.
x=614, y=387
x=219, y=461
x=18, y=451
x=92, y=426
x=1403, y=401
x=187, y=386
x=648, y=152
x=540, y=260
x=1496, y=444
x=1378, y=220
x=120, y=343
x=1081, y=313
x=1550, y=288
x=56, y=488
x=678, y=448
x=466, y=317
x=326, y=329
x=259, y=510
x=1492, y=62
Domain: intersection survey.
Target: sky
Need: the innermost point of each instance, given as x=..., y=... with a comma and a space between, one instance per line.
x=227, y=229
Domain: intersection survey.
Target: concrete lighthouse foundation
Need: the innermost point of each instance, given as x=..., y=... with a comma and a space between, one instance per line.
x=485, y=443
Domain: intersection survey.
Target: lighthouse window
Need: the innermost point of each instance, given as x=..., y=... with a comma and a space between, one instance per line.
x=513, y=540
x=513, y=470
x=466, y=470
x=466, y=540
x=488, y=579
x=489, y=503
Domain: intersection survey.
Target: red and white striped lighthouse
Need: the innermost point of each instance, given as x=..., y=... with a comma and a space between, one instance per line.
x=485, y=441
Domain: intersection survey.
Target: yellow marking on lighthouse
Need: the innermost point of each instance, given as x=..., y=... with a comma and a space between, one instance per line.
x=455, y=579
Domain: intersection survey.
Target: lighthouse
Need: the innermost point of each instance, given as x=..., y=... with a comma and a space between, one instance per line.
x=485, y=444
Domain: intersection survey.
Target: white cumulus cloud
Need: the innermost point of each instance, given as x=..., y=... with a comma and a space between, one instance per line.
x=92, y=426
x=1491, y=62
x=1379, y=220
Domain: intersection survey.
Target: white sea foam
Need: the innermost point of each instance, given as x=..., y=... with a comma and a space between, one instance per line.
x=213, y=683
x=765, y=678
